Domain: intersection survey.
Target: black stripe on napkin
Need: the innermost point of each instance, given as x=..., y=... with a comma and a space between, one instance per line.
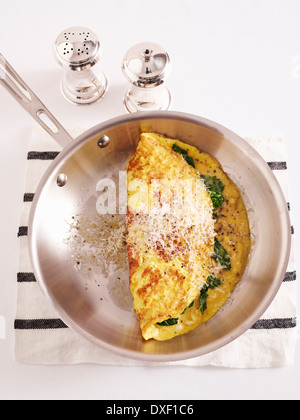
x=280, y=165
x=277, y=323
x=23, y=231
x=42, y=155
x=29, y=277
x=39, y=324
x=28, y=197
x=51, y=324
x=290, y=276
x=26, y=278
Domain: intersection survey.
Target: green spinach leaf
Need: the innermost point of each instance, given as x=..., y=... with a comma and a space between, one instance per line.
x=173, y=321
x=211, y=283
x=184, y=154
x=221, y=255
x=217, y=199
x=213, y=183
x=215, y=188
x=192, y=304
x=168, y=322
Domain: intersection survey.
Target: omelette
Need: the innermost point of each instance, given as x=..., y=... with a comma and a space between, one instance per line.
x=188, y=236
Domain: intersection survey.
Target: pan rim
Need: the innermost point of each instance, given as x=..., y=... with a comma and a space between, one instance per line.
x=167, y=357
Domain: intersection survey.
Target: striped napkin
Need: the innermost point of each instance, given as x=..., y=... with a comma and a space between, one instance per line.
x=42, y=338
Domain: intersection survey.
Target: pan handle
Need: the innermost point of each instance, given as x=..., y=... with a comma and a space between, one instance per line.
x=24, y=95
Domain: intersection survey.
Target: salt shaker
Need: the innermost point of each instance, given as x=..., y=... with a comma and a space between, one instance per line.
x=146, y=66
x=77, y=50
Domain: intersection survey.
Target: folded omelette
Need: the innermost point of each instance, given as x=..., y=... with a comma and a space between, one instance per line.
x=180, y=271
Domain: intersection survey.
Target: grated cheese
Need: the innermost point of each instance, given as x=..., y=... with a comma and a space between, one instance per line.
x=98, y=241
x=176, y=230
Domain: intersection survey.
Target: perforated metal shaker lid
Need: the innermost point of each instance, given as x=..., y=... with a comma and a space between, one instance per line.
x=77, y=48
x=146, y=64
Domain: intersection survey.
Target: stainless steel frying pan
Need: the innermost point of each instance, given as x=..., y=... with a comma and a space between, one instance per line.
x=69, y=187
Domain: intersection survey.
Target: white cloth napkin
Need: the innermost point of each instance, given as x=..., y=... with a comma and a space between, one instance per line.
x=41, y=338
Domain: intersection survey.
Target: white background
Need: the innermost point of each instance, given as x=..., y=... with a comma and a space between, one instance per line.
x=234, y=61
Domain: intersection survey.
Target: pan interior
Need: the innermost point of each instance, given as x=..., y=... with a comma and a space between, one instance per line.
x=89, y=287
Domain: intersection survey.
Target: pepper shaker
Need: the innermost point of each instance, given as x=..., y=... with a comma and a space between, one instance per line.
x=77, y=50
x=146, y=66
